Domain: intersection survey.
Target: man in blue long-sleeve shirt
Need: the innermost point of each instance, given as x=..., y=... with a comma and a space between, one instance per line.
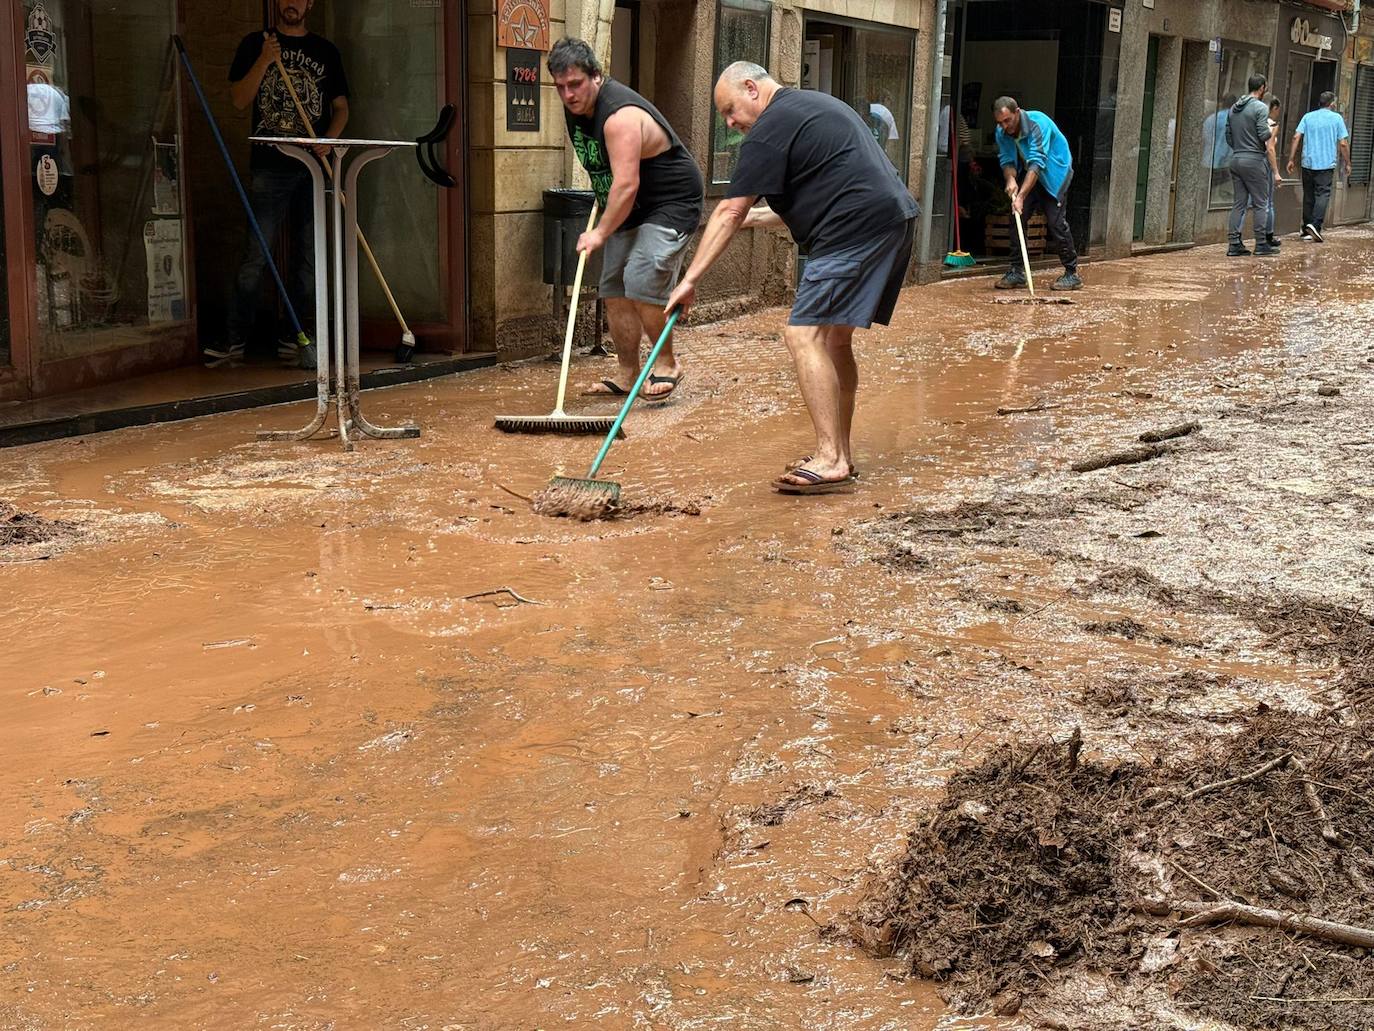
x=1038, y=168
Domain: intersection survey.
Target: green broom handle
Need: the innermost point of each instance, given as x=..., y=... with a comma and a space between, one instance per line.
x=634, y=392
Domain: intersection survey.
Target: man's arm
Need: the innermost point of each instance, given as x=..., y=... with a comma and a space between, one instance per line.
x=1343, y=149
x=624, y=143
x=1271, y=148
x=724, y=223
x=242, y=91
x=762, y=217
x=1293, y=150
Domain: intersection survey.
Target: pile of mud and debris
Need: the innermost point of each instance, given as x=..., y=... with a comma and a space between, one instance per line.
x=1227, y=882
x=25, y=536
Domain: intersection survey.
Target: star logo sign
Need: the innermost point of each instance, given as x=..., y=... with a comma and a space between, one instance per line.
x=522, y=31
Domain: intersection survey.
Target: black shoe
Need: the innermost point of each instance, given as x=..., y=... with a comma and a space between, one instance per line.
x=1068, y=281
x=1312, y=231
x=1237, y=250
x=1265, y=250
x=1273, y=241
x=1014, y=280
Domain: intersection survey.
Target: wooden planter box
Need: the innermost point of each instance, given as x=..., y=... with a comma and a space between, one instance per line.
x=1001, y=235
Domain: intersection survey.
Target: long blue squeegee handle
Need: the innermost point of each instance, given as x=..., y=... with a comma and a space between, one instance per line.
x=234, y=175
x=634, y=393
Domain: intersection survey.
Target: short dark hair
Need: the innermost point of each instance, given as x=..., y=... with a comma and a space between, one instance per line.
x=1005, y=104
x=1327, y=99
x=1274, y=104
x=569, y=53
x=1257, y=82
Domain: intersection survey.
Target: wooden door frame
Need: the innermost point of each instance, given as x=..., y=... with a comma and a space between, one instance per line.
x=16, y=379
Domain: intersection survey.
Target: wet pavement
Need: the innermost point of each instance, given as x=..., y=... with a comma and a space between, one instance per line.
x=275, y=754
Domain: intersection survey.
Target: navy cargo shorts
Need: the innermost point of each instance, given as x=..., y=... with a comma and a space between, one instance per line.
x=856, y=286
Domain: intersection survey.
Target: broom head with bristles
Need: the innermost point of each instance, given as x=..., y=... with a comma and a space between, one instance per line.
x=600, y=424
x=959, y=259
x=577, y=498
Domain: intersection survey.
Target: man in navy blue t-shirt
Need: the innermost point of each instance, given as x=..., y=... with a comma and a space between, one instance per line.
x=816, y=163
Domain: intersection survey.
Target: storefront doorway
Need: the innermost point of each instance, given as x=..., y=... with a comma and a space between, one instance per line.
x=122, y=230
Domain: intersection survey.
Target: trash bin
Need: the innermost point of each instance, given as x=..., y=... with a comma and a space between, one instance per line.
x=565, y=219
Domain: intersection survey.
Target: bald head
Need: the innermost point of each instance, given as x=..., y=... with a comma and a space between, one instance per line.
x=742, y=92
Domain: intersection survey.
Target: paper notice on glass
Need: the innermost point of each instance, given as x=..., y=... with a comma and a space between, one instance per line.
x=166, y=284
x=166, y=188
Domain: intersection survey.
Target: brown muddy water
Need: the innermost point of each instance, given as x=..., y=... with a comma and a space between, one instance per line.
x=276, y=755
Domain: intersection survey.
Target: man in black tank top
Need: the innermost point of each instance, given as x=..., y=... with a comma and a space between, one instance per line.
x=649, y=192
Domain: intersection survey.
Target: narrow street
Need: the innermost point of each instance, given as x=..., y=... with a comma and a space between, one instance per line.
x=302, y=739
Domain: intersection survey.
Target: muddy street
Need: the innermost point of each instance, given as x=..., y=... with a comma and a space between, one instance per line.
x=303, y=739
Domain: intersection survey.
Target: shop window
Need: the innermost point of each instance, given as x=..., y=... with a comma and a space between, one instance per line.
x=1362, y=131
x=870, y=69
x=1238, y=62
x=104, y=163
x=742, y=33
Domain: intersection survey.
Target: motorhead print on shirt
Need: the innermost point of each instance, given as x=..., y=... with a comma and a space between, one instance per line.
x=317, y=75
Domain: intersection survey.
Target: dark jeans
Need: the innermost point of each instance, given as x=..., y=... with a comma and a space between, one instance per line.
x=278, y=198
x=1316, y=194
x=1252, y=182
x=1056, y=227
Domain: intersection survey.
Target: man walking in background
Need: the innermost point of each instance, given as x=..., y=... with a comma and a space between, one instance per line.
x=1322, y=137
x=1031, y=147
x=1247, y=131
x=280, y=188
x=651, y=196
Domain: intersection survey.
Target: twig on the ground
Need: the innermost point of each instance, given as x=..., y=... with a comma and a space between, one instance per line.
x=1201, y=914
x=1038, y=406
x=1136, y=454
x=1242, y=779
x=1170, y=432
x=520, y=599
x=512, y=493
x=1334, y=998
x=1196, y=880
x=1329, y=833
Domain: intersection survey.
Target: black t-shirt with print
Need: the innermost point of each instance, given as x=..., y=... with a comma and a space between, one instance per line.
x=670, y=184
x=817, y=164
x=317, y=74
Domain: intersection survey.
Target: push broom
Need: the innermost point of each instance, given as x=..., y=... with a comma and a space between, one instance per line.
x=590, y=498
x=406, y=349
x=559, y=421
x=1025, y=258
x=307, y=349
x=957, y=258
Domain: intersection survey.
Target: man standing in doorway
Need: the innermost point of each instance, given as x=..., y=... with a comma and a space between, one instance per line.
x=280, y=189
x=1321, y=136
x=650, y=193
x=824, y=176
x=1247, y=131
x=1031, y=147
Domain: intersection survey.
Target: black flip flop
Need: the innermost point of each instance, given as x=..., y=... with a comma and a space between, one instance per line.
x=792, y=467
x=814, y=484
x=657, y=398
x=613, y=389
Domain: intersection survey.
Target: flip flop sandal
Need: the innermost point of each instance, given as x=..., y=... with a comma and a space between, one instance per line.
x=613, y=389
x=792, y=467
x=813, y=485
x=673, y=381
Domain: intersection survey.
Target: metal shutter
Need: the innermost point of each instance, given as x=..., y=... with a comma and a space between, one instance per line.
x=1362, y=125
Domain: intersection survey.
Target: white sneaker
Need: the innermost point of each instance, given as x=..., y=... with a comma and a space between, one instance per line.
x=1313, y=232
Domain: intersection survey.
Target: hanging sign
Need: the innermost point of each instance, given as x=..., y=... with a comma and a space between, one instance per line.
x=522, y=90
x=1303, y=35
x=523, y=24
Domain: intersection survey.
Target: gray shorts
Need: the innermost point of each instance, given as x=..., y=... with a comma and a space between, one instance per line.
x=642, y=264
x=857, y=286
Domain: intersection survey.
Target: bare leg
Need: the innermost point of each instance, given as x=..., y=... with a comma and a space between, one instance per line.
x=653, y=319
x=839, y=342
x=820, y=382
x=626, y=332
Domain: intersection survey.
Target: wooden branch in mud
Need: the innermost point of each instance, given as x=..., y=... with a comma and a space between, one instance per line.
x=1131, y=457
x=1039, y=406
x=1244, y=778
x=1200, y=914
x=519, y=598
x=1170, y=432
x=1309, y=792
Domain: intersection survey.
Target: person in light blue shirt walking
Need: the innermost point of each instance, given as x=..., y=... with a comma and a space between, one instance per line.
x=1323, y=139
x=1033, y=150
